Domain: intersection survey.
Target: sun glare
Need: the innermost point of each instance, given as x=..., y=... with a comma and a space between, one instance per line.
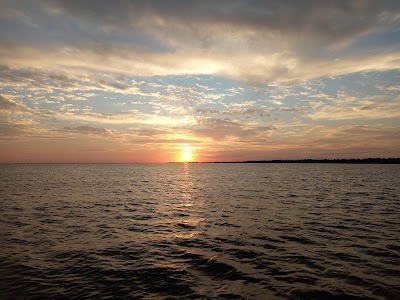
x=186, y=156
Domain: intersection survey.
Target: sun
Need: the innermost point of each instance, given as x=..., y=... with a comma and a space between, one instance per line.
x=186, y=156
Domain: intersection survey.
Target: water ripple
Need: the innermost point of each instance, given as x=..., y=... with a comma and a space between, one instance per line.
x=200, y=231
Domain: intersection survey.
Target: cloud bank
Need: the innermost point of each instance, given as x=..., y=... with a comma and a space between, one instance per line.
x=258, y=42
x=234, y=79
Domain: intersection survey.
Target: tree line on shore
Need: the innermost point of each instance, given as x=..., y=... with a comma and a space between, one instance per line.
x=330, y=161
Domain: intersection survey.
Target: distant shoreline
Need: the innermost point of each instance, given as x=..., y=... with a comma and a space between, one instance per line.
x=324, y=161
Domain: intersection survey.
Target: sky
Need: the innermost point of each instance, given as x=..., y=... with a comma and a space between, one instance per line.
x=229, y=80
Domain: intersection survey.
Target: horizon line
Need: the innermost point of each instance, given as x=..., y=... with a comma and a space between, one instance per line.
x=392, y=160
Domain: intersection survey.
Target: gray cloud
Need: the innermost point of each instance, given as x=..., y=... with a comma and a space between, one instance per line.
x=251, y=111
x=220, y=129
x=20, y=129
x=7, y=104
x=320, y=21
x=254, y=41
x=86, y=129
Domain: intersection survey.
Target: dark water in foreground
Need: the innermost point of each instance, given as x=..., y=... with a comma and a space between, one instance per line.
x=222, y=231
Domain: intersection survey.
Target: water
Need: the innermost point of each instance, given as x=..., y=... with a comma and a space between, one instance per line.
x=218, y=231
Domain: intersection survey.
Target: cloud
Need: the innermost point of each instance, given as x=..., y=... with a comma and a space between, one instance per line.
x=332, y=22
x=257, y=42
x=22, y=129
x=86, y=129
x=7, y=104
x=254, y=67
x=233, y=77
x=347, y=108
x=227, y=129
x=11, y=13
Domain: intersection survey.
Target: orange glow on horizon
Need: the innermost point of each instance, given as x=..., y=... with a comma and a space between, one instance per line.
x=187, y=153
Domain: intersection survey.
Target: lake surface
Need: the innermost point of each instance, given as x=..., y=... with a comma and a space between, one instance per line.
x=200, y=231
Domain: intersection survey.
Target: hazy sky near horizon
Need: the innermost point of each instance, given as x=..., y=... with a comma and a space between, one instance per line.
x=146, y=81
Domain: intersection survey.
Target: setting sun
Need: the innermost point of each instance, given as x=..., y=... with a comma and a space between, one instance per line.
x=186, y=156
